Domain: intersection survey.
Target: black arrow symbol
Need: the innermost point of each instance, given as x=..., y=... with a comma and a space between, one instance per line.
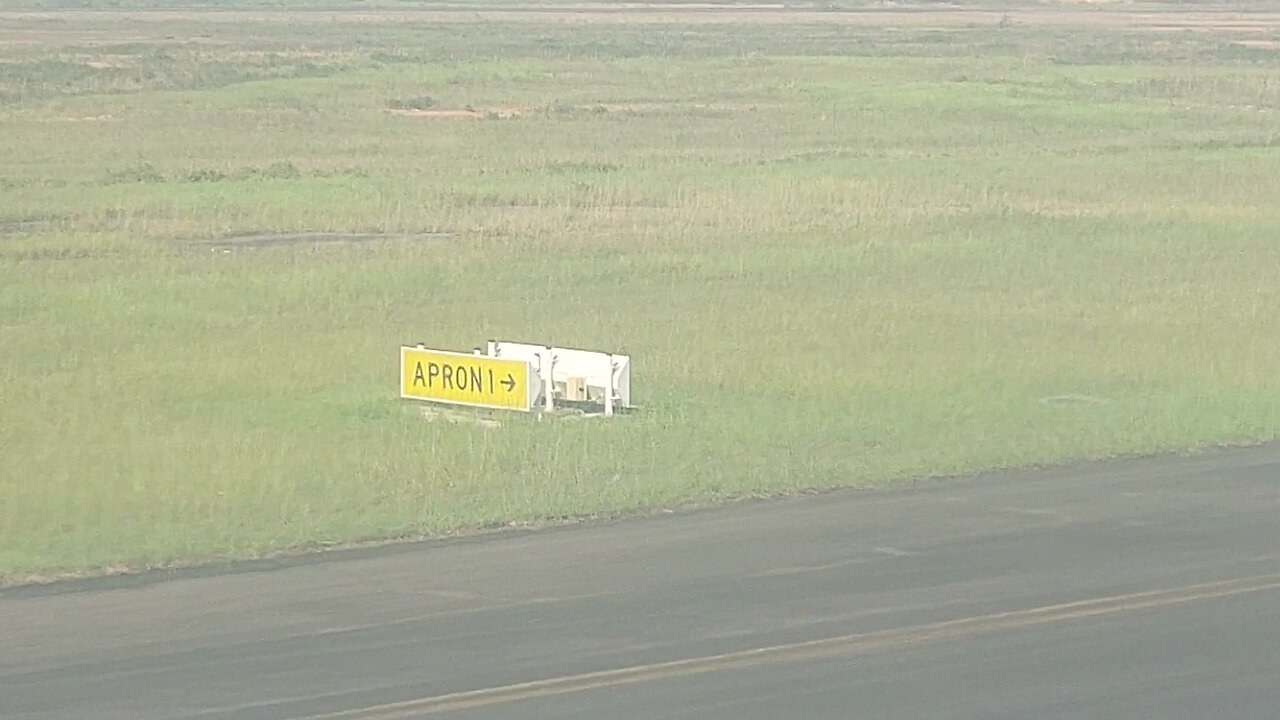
x=510, y=383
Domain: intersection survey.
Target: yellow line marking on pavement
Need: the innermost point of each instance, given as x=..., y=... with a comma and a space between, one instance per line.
x=807, y=650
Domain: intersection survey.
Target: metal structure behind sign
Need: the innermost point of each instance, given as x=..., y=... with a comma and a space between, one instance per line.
x=599, y=376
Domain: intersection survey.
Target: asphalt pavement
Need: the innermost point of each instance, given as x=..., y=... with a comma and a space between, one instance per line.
x=1140, y=588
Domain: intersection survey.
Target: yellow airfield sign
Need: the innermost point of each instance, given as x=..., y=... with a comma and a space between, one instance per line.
x=462, y=379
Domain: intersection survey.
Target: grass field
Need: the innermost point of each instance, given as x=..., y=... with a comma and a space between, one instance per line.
x=843, y=248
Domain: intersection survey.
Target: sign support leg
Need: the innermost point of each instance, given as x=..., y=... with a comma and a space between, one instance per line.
x=608, y=390
x=548, y=387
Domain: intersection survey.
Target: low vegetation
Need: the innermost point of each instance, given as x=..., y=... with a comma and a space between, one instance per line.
x=842, y=248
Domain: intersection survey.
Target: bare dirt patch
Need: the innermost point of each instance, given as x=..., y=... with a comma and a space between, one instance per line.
x=11, y=33
x=21, y=227
x=111, y=62
x=608, y=107
x=671, y=107
x=265, y=240
x=86, y=119
x=1262, y=44
x=503, y=113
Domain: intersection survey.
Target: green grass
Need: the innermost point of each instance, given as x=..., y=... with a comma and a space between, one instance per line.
x=839, y=255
